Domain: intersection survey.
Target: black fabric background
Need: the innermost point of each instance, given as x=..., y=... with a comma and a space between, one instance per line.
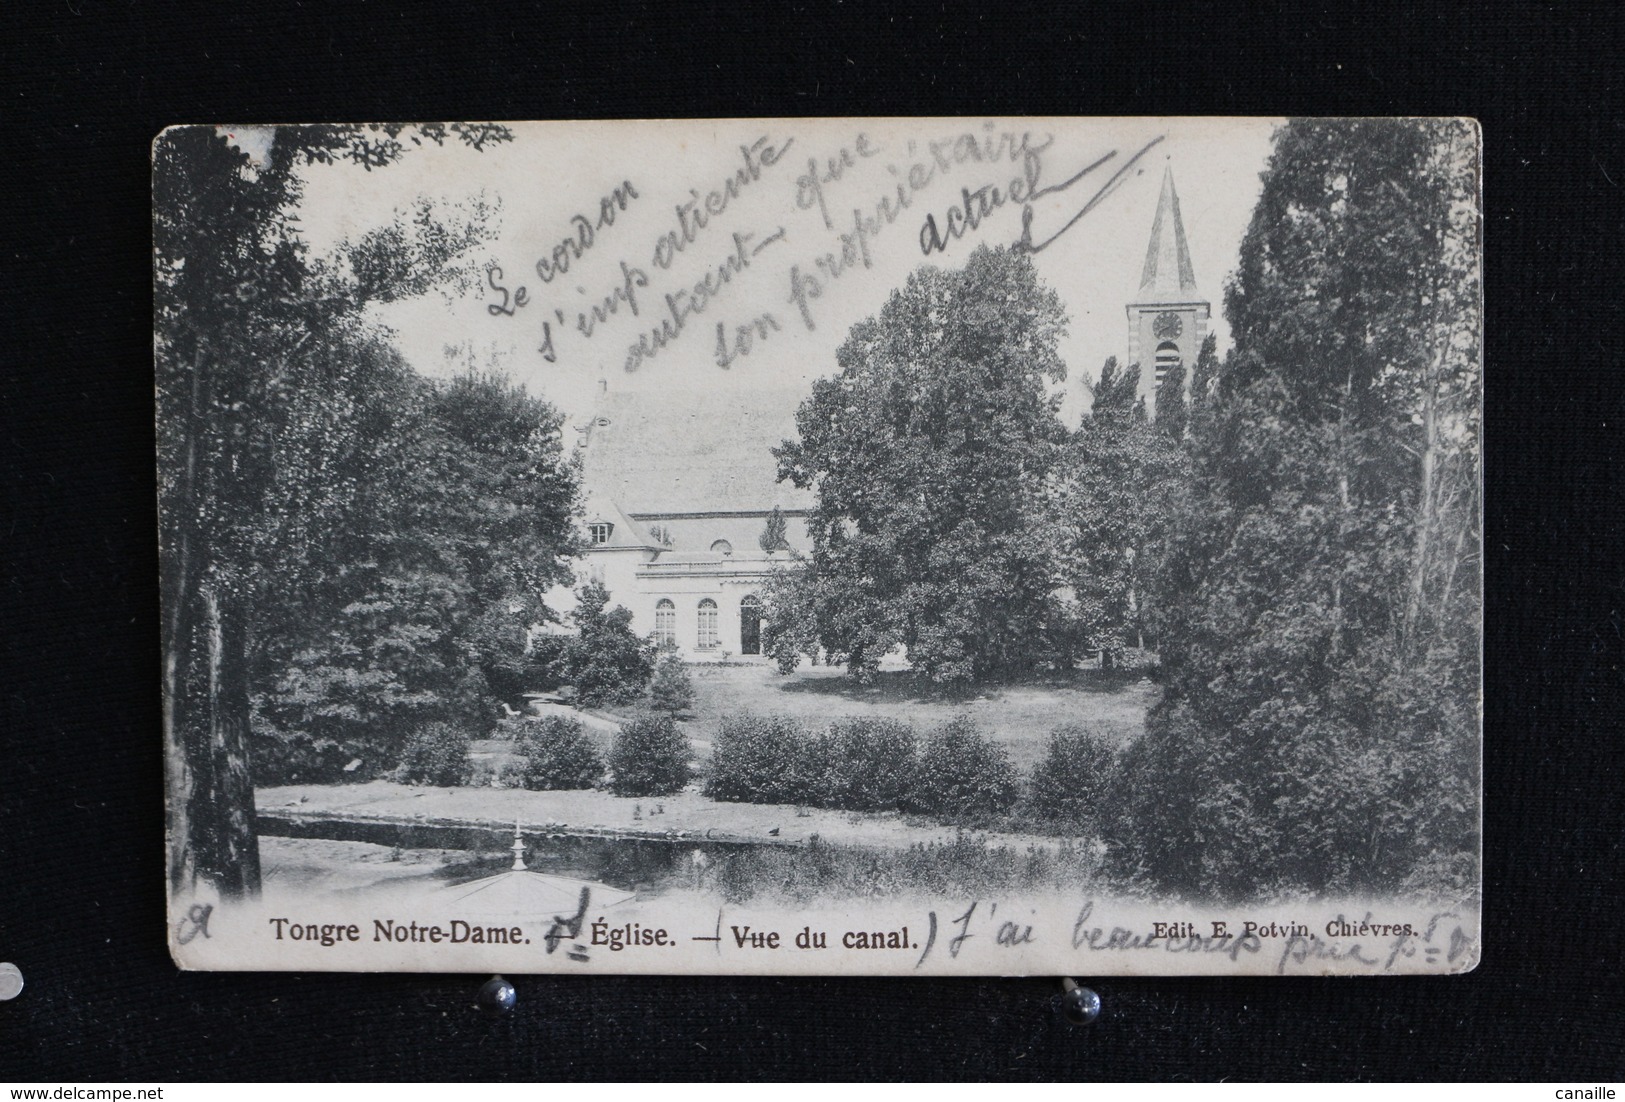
x=85, y=86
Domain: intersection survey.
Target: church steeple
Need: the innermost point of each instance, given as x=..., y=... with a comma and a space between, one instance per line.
x=1167, y=321
x=1167, y=275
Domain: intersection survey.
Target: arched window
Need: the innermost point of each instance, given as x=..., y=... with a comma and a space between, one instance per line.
x=750, y=625
x=708, y=624
x=722, y=547
x=665, y=623
x=1167, y=359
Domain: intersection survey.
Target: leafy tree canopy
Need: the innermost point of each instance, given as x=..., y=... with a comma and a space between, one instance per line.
x=267, y=378
x=1107, y=506
x=606, y=661
x=925, y=453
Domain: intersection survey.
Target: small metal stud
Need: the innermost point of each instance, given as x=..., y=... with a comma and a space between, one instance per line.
x=1080, y=1004
x=497, y=997
x=11, y=981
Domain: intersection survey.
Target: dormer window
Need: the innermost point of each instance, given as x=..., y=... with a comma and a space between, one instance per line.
x=599, y=531
x=722, y=547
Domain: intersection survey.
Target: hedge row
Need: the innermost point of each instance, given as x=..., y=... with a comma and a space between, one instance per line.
x=648, y=756
x=955, y=774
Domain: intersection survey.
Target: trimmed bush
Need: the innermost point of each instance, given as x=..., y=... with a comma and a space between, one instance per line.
x=671, y=690
x=762, y=760
x=649, y=758
x=435, y=754
x=558, y=753
x=605, y=662
x=1070, y=786
x=870, y=764
x=962, y=775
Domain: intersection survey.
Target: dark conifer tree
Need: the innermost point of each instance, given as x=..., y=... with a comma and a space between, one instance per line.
x=1317, y=607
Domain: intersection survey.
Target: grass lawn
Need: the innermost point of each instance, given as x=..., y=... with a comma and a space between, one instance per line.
x=1019, y=716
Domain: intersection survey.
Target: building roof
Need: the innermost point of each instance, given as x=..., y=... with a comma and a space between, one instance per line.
x=668, y=452
x=1167, y=275
x=622, y=532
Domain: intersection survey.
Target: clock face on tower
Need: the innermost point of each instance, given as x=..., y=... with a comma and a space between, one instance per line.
x=1167, y=327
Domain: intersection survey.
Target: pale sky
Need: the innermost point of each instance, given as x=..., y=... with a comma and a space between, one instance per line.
x=554, y=171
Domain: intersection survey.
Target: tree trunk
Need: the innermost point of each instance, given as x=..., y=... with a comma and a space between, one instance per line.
x=209, y=809
x=1345, y=513
x=178, y=771
x=1425, y=512
x=235, y=843
x=210, y=786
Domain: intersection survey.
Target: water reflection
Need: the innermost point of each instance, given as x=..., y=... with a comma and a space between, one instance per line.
x=633, y=863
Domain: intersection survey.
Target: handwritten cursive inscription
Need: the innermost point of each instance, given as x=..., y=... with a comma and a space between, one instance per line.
x=695, y=215
x=584, y=233
x=854, y=247
x=685, y=302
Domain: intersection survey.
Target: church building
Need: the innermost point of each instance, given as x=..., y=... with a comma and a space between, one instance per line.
x=1167, y=321
x=684, y=518
x=685, y=521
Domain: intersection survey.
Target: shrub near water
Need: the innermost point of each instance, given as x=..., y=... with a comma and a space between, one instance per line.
x=558, y=753
x=763, y=760
x=962, y=774
x=870, y=764
x=1069, y=787
x=649, y=758
x=435, y=754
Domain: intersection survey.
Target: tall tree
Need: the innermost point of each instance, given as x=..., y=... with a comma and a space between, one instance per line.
x=927, y=453
x=1115, y=393
x=466, y=522
x=1319, y=727
x=1204, y=373
x=245, y=323
x=775, y=532
x=1107, y=506
x=1173, y=412
x=790, y=627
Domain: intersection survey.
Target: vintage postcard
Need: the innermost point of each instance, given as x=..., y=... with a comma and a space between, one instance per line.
x=866, y=546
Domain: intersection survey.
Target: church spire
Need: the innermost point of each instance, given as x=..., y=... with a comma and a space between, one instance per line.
x=1167, y=275
x=1167, y=321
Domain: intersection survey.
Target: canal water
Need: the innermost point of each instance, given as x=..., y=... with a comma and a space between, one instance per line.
x=632, y=863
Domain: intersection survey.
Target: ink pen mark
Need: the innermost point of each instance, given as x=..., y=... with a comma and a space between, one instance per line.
x=964, y=935
x=1025, y=243
x=717, y=939
x=193, y=923
x=568, y=929
x=930, y=937
x=1074, y=178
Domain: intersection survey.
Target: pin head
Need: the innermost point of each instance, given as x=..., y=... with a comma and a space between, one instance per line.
x=496, y=997
x=1080, y=1005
